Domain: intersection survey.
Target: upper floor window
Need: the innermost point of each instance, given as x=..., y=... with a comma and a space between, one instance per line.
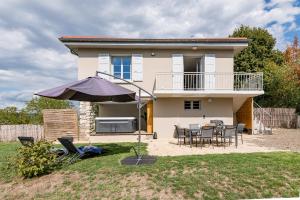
x=122, y=67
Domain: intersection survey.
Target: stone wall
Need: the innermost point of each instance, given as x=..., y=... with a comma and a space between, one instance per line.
x=86, y=120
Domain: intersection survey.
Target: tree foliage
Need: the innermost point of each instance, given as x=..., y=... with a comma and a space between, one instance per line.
x=35, y=160
x=32, y=112
x=10, y=115
x=281, y=87
x=280, y=80
x=36, y=105
x=259, y=52
x=292, y=57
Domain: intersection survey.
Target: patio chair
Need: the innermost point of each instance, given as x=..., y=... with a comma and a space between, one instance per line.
x=217, y=122
x=26, y=141
x=207, y=133
x=81, y=152
x=194, y=131
x=219, y=129
x=229, y=133
x=70, y=138
x=180, y=134
x=240, y=129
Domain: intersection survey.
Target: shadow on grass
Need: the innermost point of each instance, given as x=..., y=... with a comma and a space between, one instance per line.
x=111, y=149
x=119, y=148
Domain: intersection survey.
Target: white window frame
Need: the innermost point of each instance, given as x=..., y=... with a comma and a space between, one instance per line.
x=112, y=67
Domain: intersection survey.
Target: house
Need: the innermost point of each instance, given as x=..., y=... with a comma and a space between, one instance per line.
x=193, y=79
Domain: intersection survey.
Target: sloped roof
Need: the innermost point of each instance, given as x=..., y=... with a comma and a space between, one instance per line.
x=70, y=38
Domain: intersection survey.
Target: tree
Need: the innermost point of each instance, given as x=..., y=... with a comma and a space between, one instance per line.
x=35, y=106
x=281, y=87
x=292, y=57
x=259, y=52
x=10, y=115
x=280, y=80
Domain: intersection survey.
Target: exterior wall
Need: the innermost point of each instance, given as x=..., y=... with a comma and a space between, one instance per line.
x=161, y=62
x=170, y=111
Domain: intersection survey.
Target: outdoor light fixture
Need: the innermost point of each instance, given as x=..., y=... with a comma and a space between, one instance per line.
x=194, y=48
x=209, y=100
x=152, y=54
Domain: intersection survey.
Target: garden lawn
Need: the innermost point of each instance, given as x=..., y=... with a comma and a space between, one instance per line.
x=228, y=176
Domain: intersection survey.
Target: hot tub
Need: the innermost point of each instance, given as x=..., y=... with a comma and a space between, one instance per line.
x=115, y=124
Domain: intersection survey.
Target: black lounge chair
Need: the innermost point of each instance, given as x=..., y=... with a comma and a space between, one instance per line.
x=79, y=153
x=26, y=141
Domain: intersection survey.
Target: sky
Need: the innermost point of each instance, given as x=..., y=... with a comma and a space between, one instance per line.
x=33, y=59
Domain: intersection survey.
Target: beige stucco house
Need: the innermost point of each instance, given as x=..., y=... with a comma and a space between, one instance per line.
x=193, y=79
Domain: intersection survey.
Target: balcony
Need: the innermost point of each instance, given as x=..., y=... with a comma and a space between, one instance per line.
x=209, y=83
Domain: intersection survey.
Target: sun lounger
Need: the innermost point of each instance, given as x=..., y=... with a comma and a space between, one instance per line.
x=80, y=152
x=26, y=141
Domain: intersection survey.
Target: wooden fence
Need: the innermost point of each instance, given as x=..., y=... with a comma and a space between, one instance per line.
x=60, y=122
x=11, y=132
x=279, y=117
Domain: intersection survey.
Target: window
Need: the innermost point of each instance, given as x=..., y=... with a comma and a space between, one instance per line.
x=122, y=67
x=187, y=105
x=195, y=105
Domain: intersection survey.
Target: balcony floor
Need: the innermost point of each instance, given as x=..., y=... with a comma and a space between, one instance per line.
x=207, y=93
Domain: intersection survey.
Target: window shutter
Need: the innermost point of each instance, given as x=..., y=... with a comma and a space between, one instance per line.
x=210, y=69
x=137, y=67
x=177, y=69
x=104, y=65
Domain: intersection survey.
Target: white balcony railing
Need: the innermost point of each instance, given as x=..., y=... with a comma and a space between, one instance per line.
x=236, y=81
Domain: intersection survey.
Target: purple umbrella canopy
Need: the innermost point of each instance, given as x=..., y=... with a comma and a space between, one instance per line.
x=92, y=89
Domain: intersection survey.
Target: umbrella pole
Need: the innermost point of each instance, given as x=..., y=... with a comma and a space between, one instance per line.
x=139, y=137
x=139, y=156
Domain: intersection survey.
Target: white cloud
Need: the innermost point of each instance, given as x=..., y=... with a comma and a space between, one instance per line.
x=12, y=40
x=48, y=59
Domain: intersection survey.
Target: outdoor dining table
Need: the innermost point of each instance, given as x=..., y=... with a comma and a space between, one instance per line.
x=190, y=132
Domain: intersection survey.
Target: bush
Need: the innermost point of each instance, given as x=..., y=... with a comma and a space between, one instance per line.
x=35, y=160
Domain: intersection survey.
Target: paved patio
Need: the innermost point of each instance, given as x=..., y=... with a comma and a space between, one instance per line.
x=280, y=140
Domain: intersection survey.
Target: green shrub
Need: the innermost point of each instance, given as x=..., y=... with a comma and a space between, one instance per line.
x=35, y=160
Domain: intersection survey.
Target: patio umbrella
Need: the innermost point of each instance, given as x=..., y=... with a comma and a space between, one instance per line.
x=92, y=89
x=96, y=89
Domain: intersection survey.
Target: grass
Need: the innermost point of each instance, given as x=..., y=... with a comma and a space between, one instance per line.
x=228, y=176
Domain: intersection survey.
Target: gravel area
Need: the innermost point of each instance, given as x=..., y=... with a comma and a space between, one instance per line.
x=282, y=139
